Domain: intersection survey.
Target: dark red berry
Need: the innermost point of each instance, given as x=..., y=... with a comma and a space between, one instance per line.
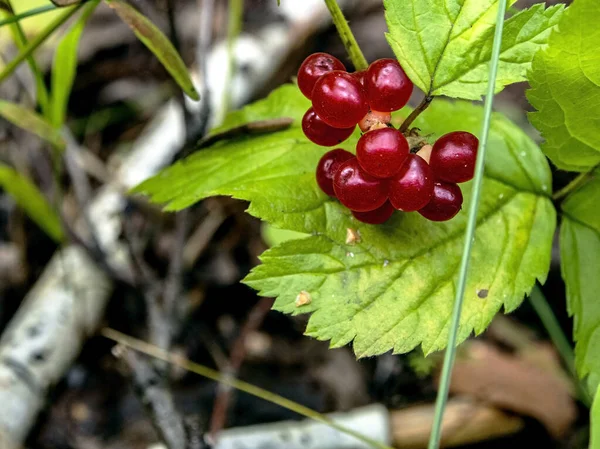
x=388, y=87
x=377, y=216
x=321, y=133
x=328, y=165
x=373, y=120
x=313, y=67
x=339, y=99
x=445, y=203
x=453, y=157
x=360, y=76
x=356, y=189
x=381, y=152
x=412, y=187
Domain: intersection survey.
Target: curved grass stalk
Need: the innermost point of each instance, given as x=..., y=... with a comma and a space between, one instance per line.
x=442, y=397
x=204, y=371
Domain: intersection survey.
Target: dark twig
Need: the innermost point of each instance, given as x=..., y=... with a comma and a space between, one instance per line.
x=238, y=354
x=415, y=113
x=154, y=392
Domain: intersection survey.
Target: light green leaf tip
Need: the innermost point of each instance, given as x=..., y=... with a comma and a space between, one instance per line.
x=393, y=290
x=158, y=44
x=565, y=88
x=27, y=196
x=445, y=45
x=64, y=66
x=28, y=120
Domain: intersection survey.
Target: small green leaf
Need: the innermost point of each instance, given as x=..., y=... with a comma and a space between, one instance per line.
x=64, y=67
x=28, y=120
x=445, y=45
x=158, y=44
x=565, y=81
x=595, y=423
x=27, y=195
x=580, y=263
x=394, y=288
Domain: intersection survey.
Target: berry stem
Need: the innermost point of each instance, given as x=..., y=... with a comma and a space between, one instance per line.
x=416, y=112
x=574, y=184
x=453, y=331
x=348, y=39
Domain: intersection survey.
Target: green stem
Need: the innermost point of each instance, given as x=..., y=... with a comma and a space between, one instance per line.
x=37, y=41
x=581, y=179
x=340, y=22
x=32, y=12
x=444, y=387
x=234, y=27
x=561, y=342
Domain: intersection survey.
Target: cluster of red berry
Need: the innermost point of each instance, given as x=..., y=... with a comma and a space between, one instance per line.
x=384, y=175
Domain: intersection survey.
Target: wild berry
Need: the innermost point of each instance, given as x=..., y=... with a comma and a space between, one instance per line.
x=313, y=68
x=321, y=133
x=445, y=203
x=356, y=189
x=388, y=88
x=339, y=99
x=412, y=187
x=374, y=120
x=377, y=216
x=381, y=152
x=328, y=165
x=453, y=157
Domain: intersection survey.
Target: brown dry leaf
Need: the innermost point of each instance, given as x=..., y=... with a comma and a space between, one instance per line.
x=515, y=384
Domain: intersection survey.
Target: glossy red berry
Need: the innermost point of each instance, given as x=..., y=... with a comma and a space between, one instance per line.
x=339, y=99
x=453, y=157
x=377, y=216
x=388, y=88
x=445, y=203
x=381, y=152
x=328, y=165
x=360, y=76
x=412, y=188
x=356, y=189
x=313, y=68
x=321, y=133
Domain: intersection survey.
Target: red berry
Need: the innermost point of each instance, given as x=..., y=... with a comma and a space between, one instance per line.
x=313, y=67
x=445, y=203
x=381, y=152
x=412, y=187
x=377, y=216
x=339, y=99
x=360, y=76
x=388, y=87
x=321, y=133
x=356, y=189
x=328, y=165
x=453, y=157
x=374, y=119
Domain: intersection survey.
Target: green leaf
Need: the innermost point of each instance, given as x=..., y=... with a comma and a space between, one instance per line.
x=445, y=45
x=65, y=66
x=158, y=44
x=30, y=121
x=274, y=236
x=27, y=195
x=394, y=289
x=580, y=264
x=565, y=81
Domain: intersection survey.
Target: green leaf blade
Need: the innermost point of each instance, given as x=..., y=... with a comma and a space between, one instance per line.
x=28, y=120
x=445, y=46
x=27, y=196
x=64, y=67
x=394, y=288
x=157, y=43
x=565, y=81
